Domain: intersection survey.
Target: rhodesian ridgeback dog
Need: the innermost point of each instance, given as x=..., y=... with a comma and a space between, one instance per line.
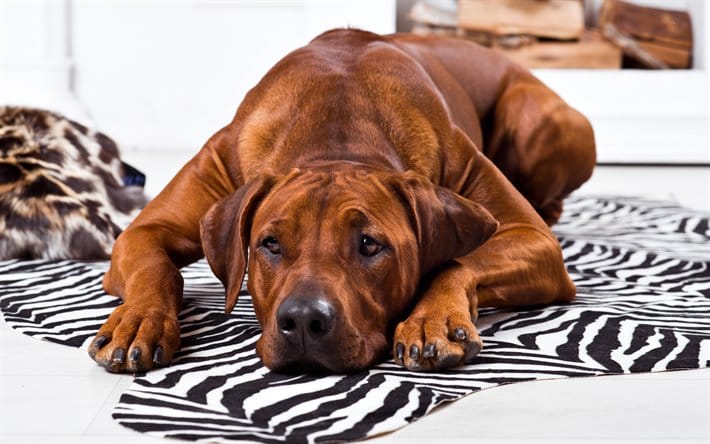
x=379, y=189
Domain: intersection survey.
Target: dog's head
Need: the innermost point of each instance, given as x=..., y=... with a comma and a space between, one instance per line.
x=335, y=256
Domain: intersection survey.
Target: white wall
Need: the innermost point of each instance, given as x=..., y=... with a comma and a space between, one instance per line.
x=167, y=74
x=35, y=67
x=158, y=74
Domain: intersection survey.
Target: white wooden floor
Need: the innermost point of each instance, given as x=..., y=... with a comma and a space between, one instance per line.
x=50, y=393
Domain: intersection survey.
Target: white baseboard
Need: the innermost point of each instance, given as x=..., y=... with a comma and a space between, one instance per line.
x=632, y=92
x=689, y=186
x=652, y=140
x=641, y=115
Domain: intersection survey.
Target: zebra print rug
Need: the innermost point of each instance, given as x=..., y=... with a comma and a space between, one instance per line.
x=642, y=269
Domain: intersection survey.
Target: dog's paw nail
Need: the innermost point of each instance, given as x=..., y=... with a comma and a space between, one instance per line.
x=400, y=351
x=118, y=356
x=414, y=352
x=97, y=344
x=158, y=355
x=472, y=350
x=135, y=354
x=429, y=351
x=460, y=334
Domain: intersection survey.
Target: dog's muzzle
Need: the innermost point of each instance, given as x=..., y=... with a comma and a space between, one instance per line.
x=306, y=322
x=308, y=328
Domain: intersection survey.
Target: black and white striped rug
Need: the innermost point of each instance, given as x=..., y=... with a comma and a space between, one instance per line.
x=642, y=270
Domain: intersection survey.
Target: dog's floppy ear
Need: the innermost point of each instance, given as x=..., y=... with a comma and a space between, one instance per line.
x=225, y=234
x=446, y=224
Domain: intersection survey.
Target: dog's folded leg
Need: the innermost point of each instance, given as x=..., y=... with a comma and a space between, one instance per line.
x=541, y=144
x=440, y=332
x=143, y=332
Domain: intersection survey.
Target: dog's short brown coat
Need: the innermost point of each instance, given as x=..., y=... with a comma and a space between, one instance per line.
x=400, y=182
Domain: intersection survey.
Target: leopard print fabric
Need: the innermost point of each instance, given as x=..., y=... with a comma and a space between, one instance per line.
x=61, y=188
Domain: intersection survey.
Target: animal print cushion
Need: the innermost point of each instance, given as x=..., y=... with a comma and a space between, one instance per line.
x=62, y=192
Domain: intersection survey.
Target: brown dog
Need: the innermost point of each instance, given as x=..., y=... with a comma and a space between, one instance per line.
x=370, y=183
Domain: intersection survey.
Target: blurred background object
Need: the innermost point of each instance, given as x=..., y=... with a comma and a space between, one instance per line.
x=661, y=38
x=596, y=34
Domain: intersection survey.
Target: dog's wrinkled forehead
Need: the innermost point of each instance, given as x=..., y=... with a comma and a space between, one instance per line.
x=310, y=198
x=327, y=175
x=325, y=188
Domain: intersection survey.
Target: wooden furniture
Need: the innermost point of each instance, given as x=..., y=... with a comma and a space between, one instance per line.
x=559, y=19
x=591, y=51
x=654, y=38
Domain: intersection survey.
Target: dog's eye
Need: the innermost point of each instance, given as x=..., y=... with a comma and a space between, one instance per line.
x=271, y=245
x=368, y=246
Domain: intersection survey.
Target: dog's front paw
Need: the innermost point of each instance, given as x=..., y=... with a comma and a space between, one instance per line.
x=135, y=340
x=433, y=340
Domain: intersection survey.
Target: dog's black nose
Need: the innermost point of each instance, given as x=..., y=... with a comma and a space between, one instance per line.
x=305, y=319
